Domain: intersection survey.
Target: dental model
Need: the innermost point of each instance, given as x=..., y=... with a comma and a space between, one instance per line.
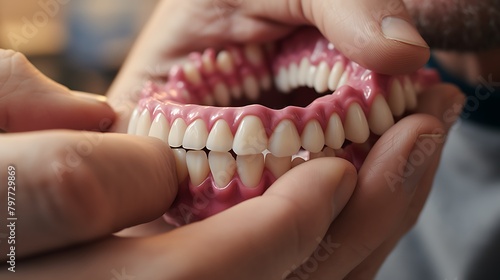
x=225, y=155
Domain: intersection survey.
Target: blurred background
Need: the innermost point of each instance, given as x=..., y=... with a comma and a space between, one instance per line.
x=78, y=43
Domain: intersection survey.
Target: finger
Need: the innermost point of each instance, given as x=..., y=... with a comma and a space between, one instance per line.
x=31, y=101
x=378, y=34
x=79, y=186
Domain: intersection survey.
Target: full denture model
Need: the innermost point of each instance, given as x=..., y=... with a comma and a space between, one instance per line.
x=327, y=105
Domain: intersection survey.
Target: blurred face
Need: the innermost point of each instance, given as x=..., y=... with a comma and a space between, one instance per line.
x=461, y=25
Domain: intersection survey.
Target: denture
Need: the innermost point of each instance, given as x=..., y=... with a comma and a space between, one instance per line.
x=239, y=118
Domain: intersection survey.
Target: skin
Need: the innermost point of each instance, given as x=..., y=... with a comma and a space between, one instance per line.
x=368, y=215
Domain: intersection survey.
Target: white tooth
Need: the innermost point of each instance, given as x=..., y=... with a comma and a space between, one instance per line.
x=356, y=125
x=316, y=155
x=220, y=138
x=180, y=164
x=303, y=72
x=380, y=118
x=313, y=138
x=250, y=138
x=192, y=74
x=281, y=81
x=285, y=140
x=410, y=94
x=196, y=135
x=208, y=64
x=177, y=132
x=236, y=91
x=335, y=75
x=132, y=124
x=251, y=87
x=343, y=79
x=396, y=99
x=224, y=62
x=222, y=95
x=265, y=82
x=297, y=161
x=278, y=165
x=329, y=152
x=321, y=81
x=144, y=123
x=293, y=74
x=197, y=165
x=334, y=135
x=222, y=166
x=160, y=128
x=311, y=76
x=250, y=169
x=254, y=54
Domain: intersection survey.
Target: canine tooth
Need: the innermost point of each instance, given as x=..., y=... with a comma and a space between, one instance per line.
x=250, y=138
x=334, y=135
x=313, y=138
x=254, y=54
x=380, y=118
x=250, y=169
x=222, y=167
x=224, y=62
x=144, y=123
x=251, y=87
x=410, y=94
x=303, y=71
x=220, y=138
x=293, y=74
x=222, y=95
x=321, y=81
x=285, y=140
x=192, y=74
x=265, y=82
x=197, y=165
x=180, y=164
x=278, y=165
x=177, y=132
x=334, y=78
x=356, y=125
x=343, y=79
x=281, y=80
x=297, y=161
x=195, y=137
x=396, y=99
x=236, y=91
x=132, y=124
x=311, y=76
x=208, y=64
x=160, y=128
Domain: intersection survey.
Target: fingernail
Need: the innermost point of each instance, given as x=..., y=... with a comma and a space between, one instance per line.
x=90, y=96
x=400, y=30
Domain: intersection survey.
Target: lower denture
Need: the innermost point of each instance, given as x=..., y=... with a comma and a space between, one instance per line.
x=225, y=155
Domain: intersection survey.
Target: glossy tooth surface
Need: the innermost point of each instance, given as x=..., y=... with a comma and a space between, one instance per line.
x=335, y=75
x=144, y=123
x=197, y=165
x=297, y=161
x=321, y=81
x=278, y=165
x=250, y=169
x=380, y=118
x=222, y=167
x=334, y=134
x=222, y=95
x=266, y=82
x=343, y=79
x=356, y=125
x=192, y=74
x=225, y=63
x=195, y=137
x=208, y=64
x=220, y=138
x=285, y=140
x=303, y=71
x=313, y=138
x=410, y=94
x=160, y=128
x=311, y=76
x=251, y=87
x=250, y=138
x=132, y=124
x=281, y=80
x=396, y=98
x=293, y=75
x=177, y=132
x=254, y=54
x=180, y=163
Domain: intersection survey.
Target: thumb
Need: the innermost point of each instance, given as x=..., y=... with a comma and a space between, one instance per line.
x=31, y=101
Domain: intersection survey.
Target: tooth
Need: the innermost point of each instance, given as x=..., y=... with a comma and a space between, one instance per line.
x=208, y=64
x=321, y=81
x=250, y=169
x=254, y=54
x=396, y=98
x=356, y=125
x=236, y=91
x=195, y=137
x=220, y=138
x=177, y=132
x=343, y=79
x=293, y=73
x=250, y=138
x=335, y=75
x=222, y=95
x=334, y=135
x=222, y=166
x=297, y=161
x=180, y=164
x=329, y=152
x=197, y=165
x=410, y=94
x=285, y=140
x=160, y=128
x=281, y=80
x=303, y=71
x=380, y=118
x=251, y=87
x=132, y=124
x=278, y=165
x=192, y=74
x=224, y=62
x=144, y=123
x=311, y=76
x=313, y=138
x=265, y=82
